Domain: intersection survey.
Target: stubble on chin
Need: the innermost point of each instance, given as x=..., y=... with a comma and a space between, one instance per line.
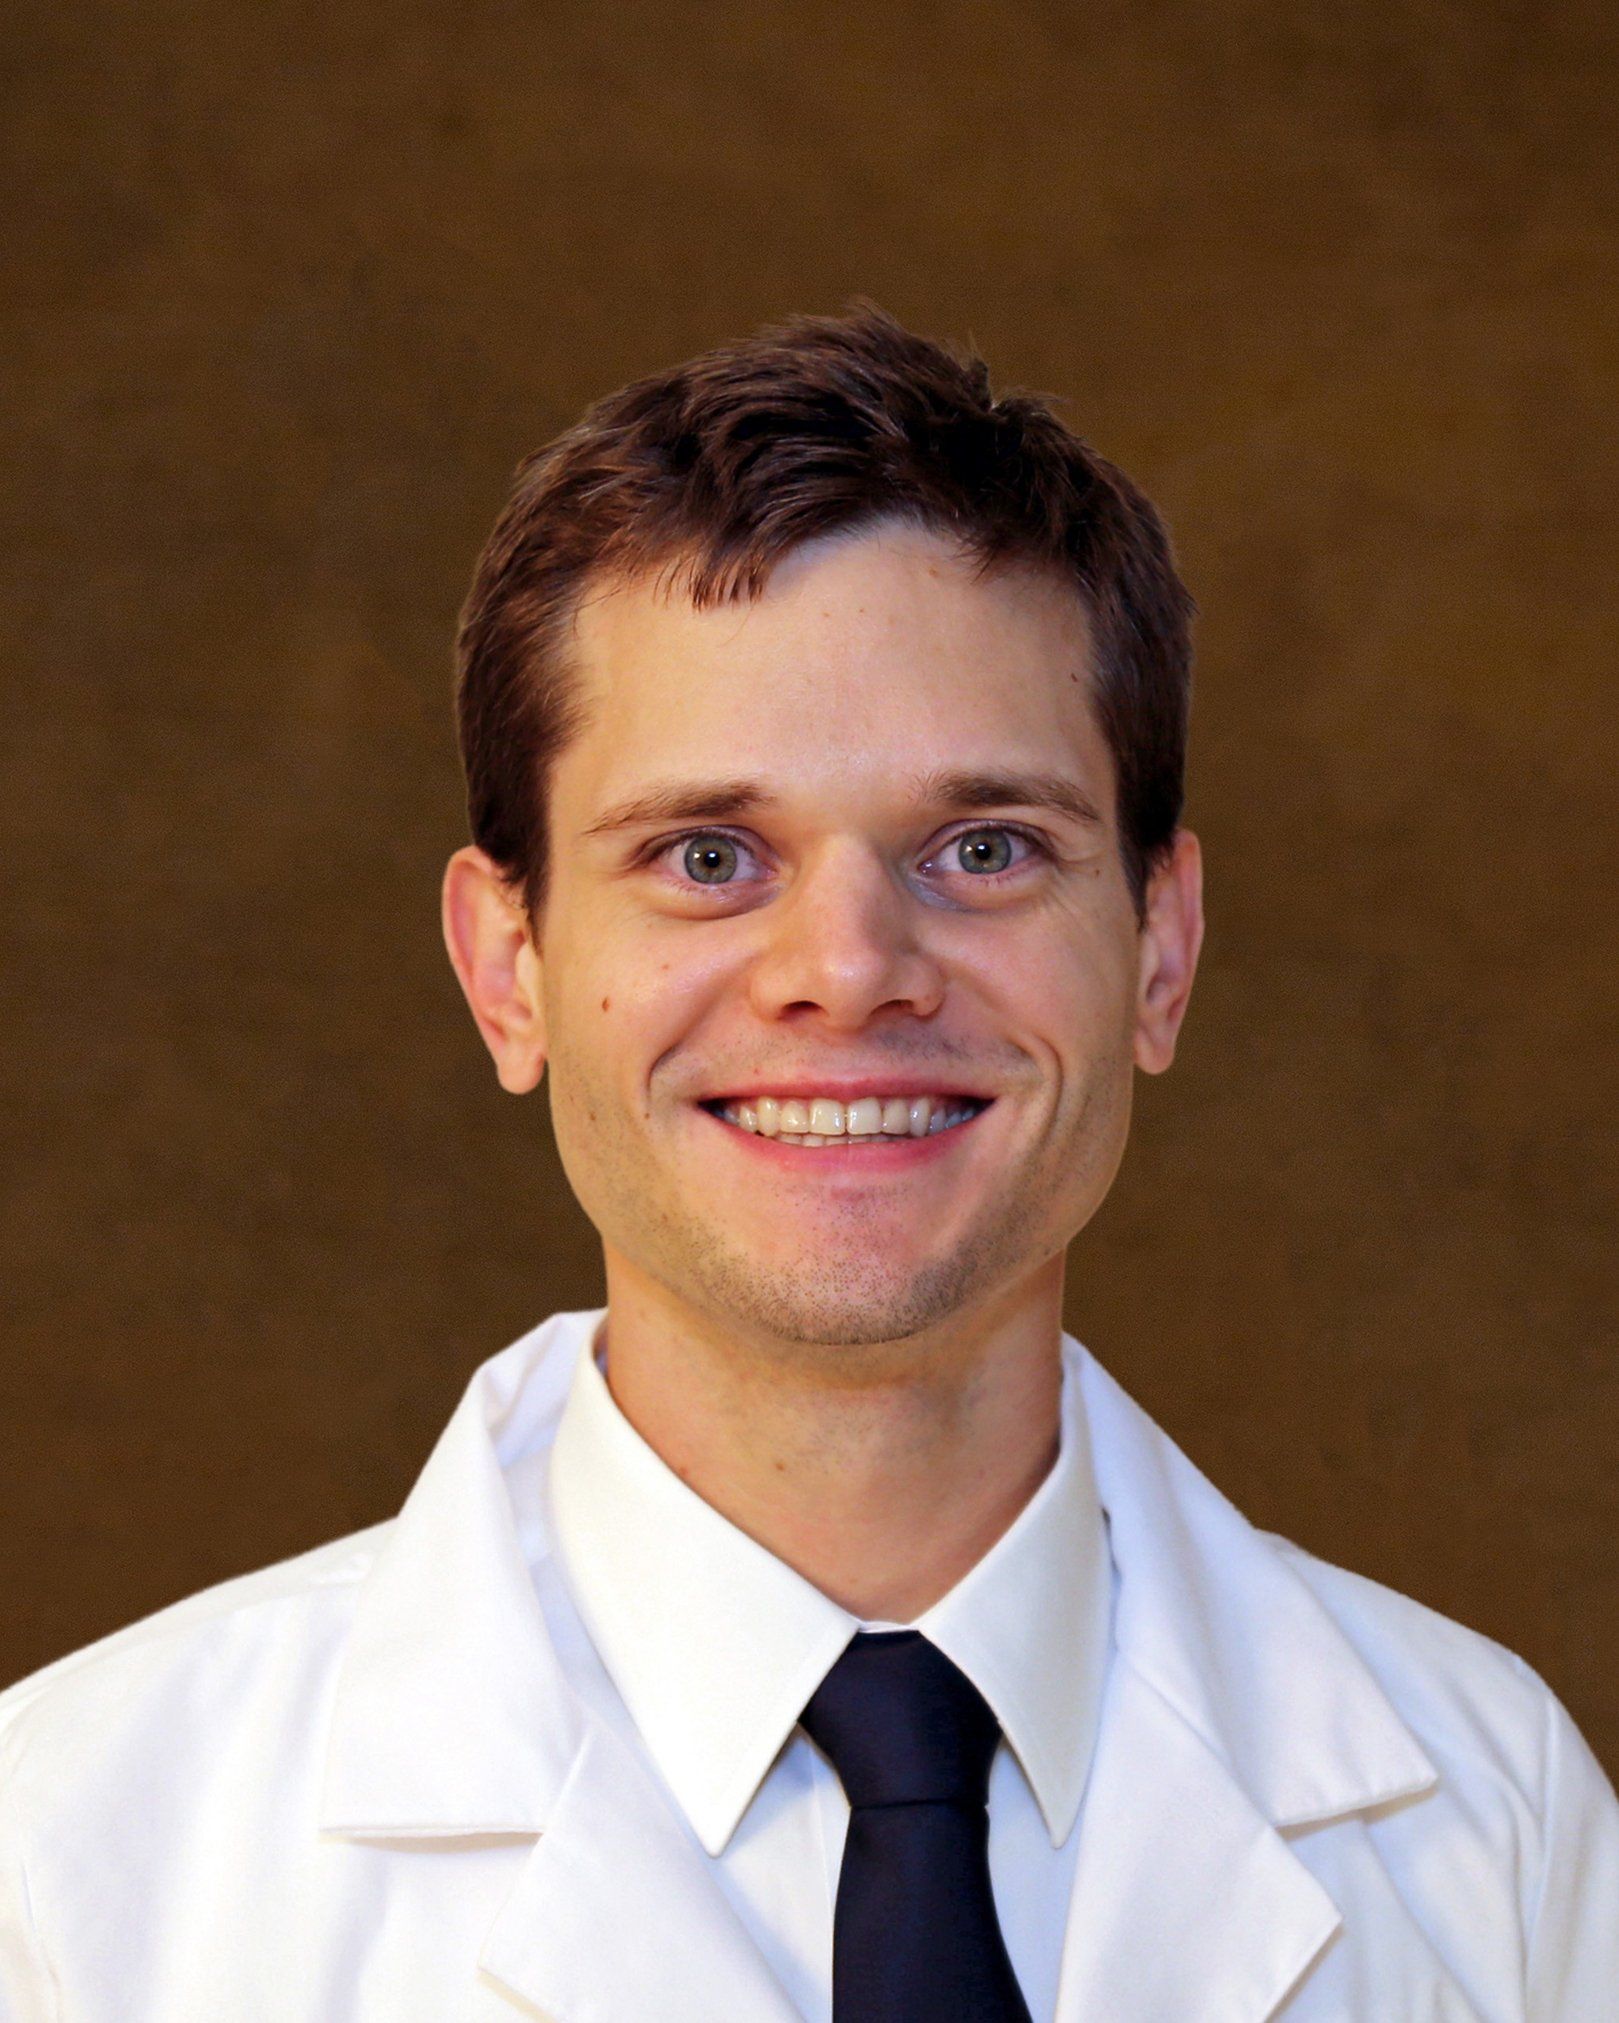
x=853, y=1295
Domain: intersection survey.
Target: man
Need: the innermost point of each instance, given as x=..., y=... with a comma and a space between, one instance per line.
x=816, y=1630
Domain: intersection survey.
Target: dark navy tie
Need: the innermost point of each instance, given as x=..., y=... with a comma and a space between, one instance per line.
x=915, y=1938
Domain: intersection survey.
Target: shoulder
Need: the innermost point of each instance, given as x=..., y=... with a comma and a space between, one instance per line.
x=212, y=1656
x=1515, y=1775
x=253, y=1662
x=1512, y=1763
x=1462, y=1694
x=1288, y=1655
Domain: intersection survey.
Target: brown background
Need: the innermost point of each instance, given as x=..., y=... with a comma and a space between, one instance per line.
x=290, y=289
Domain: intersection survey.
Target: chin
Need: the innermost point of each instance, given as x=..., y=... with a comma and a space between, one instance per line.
x=862, y=1307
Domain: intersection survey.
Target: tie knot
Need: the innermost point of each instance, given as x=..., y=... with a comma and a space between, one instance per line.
x=902, y=1725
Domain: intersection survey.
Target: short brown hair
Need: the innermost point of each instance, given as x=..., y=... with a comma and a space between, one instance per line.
x=715, y=469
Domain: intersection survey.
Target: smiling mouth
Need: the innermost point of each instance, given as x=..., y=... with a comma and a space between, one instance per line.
x=871, y=1120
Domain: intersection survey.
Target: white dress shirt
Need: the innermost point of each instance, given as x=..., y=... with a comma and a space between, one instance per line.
x=713, y=1646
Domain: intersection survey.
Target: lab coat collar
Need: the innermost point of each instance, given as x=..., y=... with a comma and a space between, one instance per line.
x=452, y=1721
x=1235, y=1707
x=451, y=1714
x=1213, y=1616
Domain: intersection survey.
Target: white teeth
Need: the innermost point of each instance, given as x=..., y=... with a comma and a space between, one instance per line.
x=826, y=1117
x=822, y=1120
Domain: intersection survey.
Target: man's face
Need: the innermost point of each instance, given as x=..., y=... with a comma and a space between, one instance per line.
x=845, y=917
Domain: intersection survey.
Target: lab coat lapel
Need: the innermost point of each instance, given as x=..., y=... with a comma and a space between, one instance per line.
x=453, y=1722
x=617, y=1915
x=1187, y=1903
x=1235, y=1709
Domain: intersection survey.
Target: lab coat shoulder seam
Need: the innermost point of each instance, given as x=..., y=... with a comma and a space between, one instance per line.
x=28, y=1923
x=36, y=1941
x=1551, y=1755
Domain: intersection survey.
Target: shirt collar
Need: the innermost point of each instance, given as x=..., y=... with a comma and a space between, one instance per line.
x=715, y=1645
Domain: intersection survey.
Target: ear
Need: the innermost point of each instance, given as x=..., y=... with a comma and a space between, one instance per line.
x=497, y=965
x=1170, y=938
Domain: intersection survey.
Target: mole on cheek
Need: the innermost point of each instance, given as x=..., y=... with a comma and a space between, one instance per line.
x=606, y=1003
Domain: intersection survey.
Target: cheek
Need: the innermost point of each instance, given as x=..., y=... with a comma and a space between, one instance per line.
x=582, y=1104
x=619, y=1006
x=1073, y=995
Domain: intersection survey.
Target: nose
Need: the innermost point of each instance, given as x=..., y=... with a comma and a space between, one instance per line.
x=845, y=941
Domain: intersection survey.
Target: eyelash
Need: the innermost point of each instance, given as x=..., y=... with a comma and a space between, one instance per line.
x=658, y=851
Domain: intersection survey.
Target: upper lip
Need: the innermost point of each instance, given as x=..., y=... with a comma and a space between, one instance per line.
x=845, y=1089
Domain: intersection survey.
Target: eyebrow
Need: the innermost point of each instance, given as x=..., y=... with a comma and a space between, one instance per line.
x=964, y=791
x=959, y=792
x=684, y=801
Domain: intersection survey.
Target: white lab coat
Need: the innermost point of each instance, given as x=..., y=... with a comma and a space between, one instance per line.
x=356, y=1788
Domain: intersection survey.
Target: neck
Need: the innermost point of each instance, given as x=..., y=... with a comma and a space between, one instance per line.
x=880, y=1472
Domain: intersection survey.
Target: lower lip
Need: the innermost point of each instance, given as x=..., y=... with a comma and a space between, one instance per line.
x=886, y=1155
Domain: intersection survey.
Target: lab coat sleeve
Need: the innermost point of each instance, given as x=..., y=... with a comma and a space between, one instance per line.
x=1574, y=1941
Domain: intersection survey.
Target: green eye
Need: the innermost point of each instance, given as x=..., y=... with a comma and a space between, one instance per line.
x=984, y=850
x=710, y=860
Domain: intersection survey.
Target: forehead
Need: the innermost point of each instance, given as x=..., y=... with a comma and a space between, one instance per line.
x=866, y=659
